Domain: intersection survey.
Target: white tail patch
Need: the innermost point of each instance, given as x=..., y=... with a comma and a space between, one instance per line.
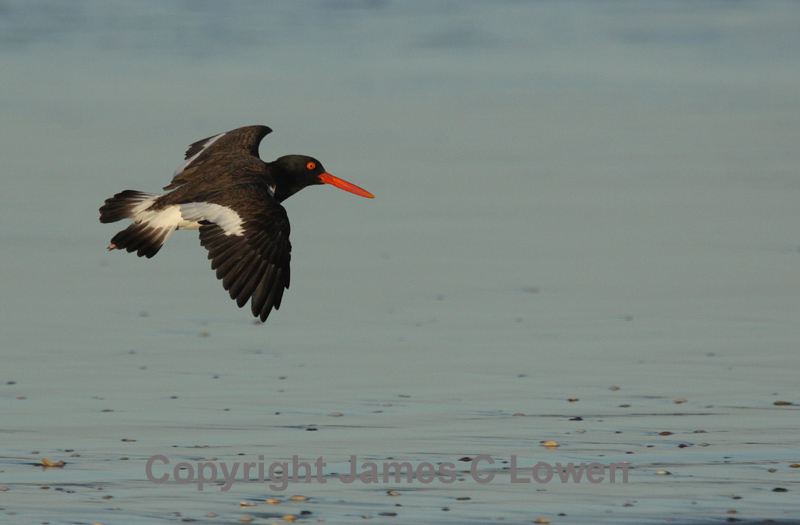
x=224, y=217
x=164, y=221
x=193, y=157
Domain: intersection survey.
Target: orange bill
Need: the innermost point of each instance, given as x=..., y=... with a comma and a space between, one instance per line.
x=327, y=178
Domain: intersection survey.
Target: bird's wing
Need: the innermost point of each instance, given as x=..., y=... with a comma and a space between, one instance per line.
x=205, y=154
x=249, y=248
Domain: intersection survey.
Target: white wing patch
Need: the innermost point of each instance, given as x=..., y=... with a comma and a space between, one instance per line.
x=193, y=157
x=227, y=219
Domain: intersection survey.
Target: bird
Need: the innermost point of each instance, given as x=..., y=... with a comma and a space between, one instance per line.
x=225, y=190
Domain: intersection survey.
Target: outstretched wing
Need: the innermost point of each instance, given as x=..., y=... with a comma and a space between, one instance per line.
x=249, y=248
x=218, y=150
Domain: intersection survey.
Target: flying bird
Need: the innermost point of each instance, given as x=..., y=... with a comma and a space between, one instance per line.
x=233, y=197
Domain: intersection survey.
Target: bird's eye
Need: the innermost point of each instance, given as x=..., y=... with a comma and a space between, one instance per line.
x=311, y=165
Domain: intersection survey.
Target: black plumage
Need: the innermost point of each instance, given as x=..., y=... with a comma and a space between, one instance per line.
x=233, y=197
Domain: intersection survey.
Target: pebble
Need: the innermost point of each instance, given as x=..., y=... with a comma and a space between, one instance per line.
x=273, y=501
x=573, y=400
x=550, y=444
x=541, y=520
x=298, y=498
x=783, y=403
x=393, y=493
x=290, y=518
x=48, y=464
x=664, y=473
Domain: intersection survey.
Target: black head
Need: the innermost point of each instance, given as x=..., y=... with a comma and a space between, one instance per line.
x=292, y=173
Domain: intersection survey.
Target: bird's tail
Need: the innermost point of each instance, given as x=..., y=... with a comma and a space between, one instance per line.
x=123, y=205
x=150, y=229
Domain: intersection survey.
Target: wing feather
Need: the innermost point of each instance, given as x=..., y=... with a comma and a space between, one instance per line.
x=253, y=266
x=205, y=155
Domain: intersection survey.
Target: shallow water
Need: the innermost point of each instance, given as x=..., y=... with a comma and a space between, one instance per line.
x=582, y=201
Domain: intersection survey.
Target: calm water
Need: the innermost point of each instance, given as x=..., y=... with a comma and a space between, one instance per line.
x=585, y=201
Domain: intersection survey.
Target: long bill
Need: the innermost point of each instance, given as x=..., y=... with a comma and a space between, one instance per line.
x=327, y=178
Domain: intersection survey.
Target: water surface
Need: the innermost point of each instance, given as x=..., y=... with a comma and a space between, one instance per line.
x=583, y=201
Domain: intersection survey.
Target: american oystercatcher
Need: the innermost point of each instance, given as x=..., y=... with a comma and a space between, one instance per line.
x=233, y=197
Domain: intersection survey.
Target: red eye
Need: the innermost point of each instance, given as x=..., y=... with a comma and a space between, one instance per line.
x=311, y=165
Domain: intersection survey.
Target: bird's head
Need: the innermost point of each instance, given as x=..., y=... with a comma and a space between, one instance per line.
x=294, y=172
